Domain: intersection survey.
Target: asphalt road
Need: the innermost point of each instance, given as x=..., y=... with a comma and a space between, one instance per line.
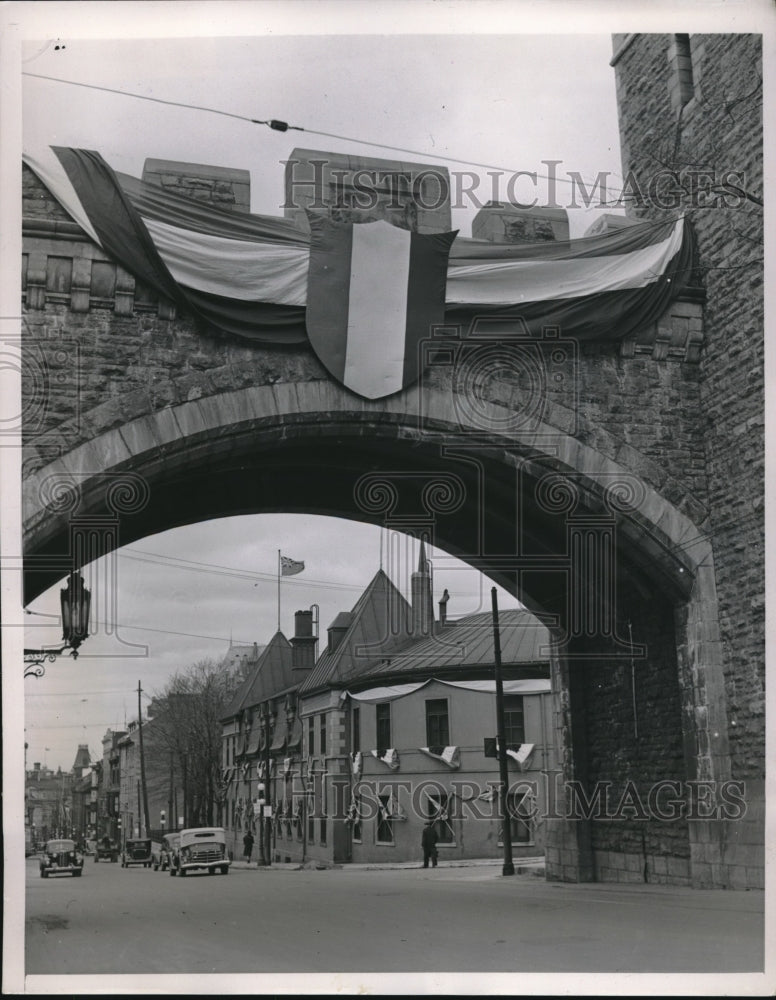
x=135, y=920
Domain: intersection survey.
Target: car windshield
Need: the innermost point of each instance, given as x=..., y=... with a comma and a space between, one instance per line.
x=58, y=846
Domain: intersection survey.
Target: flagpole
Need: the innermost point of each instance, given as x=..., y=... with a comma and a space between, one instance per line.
x=278, y=590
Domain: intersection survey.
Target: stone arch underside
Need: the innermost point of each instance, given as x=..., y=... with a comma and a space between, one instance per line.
x=528, y=508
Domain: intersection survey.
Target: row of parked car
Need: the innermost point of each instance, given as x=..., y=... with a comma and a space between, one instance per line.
x=196, y=849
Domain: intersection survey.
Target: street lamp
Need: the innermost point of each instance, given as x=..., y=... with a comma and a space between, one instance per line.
x=75, y=601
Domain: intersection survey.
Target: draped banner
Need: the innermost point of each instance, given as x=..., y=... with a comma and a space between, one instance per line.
x=257, y=276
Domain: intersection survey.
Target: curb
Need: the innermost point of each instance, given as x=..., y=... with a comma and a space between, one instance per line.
x=527, y=866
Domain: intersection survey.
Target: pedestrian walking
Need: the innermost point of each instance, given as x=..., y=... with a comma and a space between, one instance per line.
x=428, y=842
x=248, y=845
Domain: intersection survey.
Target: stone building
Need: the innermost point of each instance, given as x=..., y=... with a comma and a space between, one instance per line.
x=389, y=727
x=690, y=111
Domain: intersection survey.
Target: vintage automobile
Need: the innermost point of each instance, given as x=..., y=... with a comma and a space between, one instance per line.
x=167, y=849
x=136, y=852
x=106, y=850
x=201, y=848
x=61, y=856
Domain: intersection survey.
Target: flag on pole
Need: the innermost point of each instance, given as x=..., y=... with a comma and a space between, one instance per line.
x=289, y=567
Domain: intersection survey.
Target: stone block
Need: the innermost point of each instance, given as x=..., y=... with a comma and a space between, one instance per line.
x=657, y=864
x=678, y=867
x=190, y=418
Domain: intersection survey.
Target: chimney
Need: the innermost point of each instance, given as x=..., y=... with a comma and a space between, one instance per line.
x=422, y=613
x=338, y=628
x=443, y=607
x=304, y=642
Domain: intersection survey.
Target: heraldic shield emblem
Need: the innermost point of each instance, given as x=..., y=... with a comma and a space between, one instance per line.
x=374, y=292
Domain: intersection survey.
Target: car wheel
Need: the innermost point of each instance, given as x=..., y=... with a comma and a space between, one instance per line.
x=182, y=872
x=43, y=874
x=77, y=874
x=172, y=871
x=225, y=869
x=96, y=859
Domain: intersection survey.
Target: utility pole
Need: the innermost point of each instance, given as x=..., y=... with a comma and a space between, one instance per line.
x=508, y=867
x=142, y=763
x=266, y=825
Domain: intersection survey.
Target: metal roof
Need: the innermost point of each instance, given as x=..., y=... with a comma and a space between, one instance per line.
x=467, y=644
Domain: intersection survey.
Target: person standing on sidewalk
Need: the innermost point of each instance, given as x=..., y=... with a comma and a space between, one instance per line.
x=428, y=842
x=248, y=846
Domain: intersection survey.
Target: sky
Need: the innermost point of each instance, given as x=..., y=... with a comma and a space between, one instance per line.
x=502, y=101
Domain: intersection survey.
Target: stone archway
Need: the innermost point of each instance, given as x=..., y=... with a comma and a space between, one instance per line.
x=529, y=508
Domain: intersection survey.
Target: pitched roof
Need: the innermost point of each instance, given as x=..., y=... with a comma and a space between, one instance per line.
x=378, y=621
x=467, y=644
x=270, y=675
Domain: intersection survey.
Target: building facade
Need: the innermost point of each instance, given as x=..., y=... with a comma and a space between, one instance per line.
x=691, y=126
x=392, y=726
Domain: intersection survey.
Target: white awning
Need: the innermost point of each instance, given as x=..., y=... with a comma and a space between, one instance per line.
x=532, y=685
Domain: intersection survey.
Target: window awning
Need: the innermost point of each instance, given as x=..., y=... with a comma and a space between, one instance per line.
x=254, y=743
x=295, y=736
x=280, y=733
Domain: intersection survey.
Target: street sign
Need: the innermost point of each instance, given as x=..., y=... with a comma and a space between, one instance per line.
x=267, y=812
x=257, y=808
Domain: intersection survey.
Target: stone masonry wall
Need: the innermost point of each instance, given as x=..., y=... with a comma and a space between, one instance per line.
x=102, y=350
x=719, y=130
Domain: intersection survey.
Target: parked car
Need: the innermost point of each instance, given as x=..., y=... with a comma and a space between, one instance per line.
x=61, y=856
x=106, y=850
x=136, y=852
x=201, y=848
x=168, y=847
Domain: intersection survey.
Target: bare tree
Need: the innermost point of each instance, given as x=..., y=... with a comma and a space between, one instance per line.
x=186, y=733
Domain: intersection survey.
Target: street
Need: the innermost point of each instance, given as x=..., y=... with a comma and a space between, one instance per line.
x=135, y=920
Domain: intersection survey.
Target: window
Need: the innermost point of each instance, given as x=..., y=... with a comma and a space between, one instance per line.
x=356, y=730
x=682, y=86
x=384, y=821
x=519, y=808
x=437, y=728
x=383, y=717
x=311, y=736
x=357, y=817
x=322, y=833
x=514, y=727
x=437, y=809
x=323, y=735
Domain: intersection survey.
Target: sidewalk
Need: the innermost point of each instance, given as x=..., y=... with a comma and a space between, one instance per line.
x=523, y=866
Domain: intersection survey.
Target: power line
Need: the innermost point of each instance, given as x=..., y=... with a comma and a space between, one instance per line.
x=281, y=126
x=233, y=571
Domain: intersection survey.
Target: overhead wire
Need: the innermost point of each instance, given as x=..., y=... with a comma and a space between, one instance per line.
x=282, y=126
